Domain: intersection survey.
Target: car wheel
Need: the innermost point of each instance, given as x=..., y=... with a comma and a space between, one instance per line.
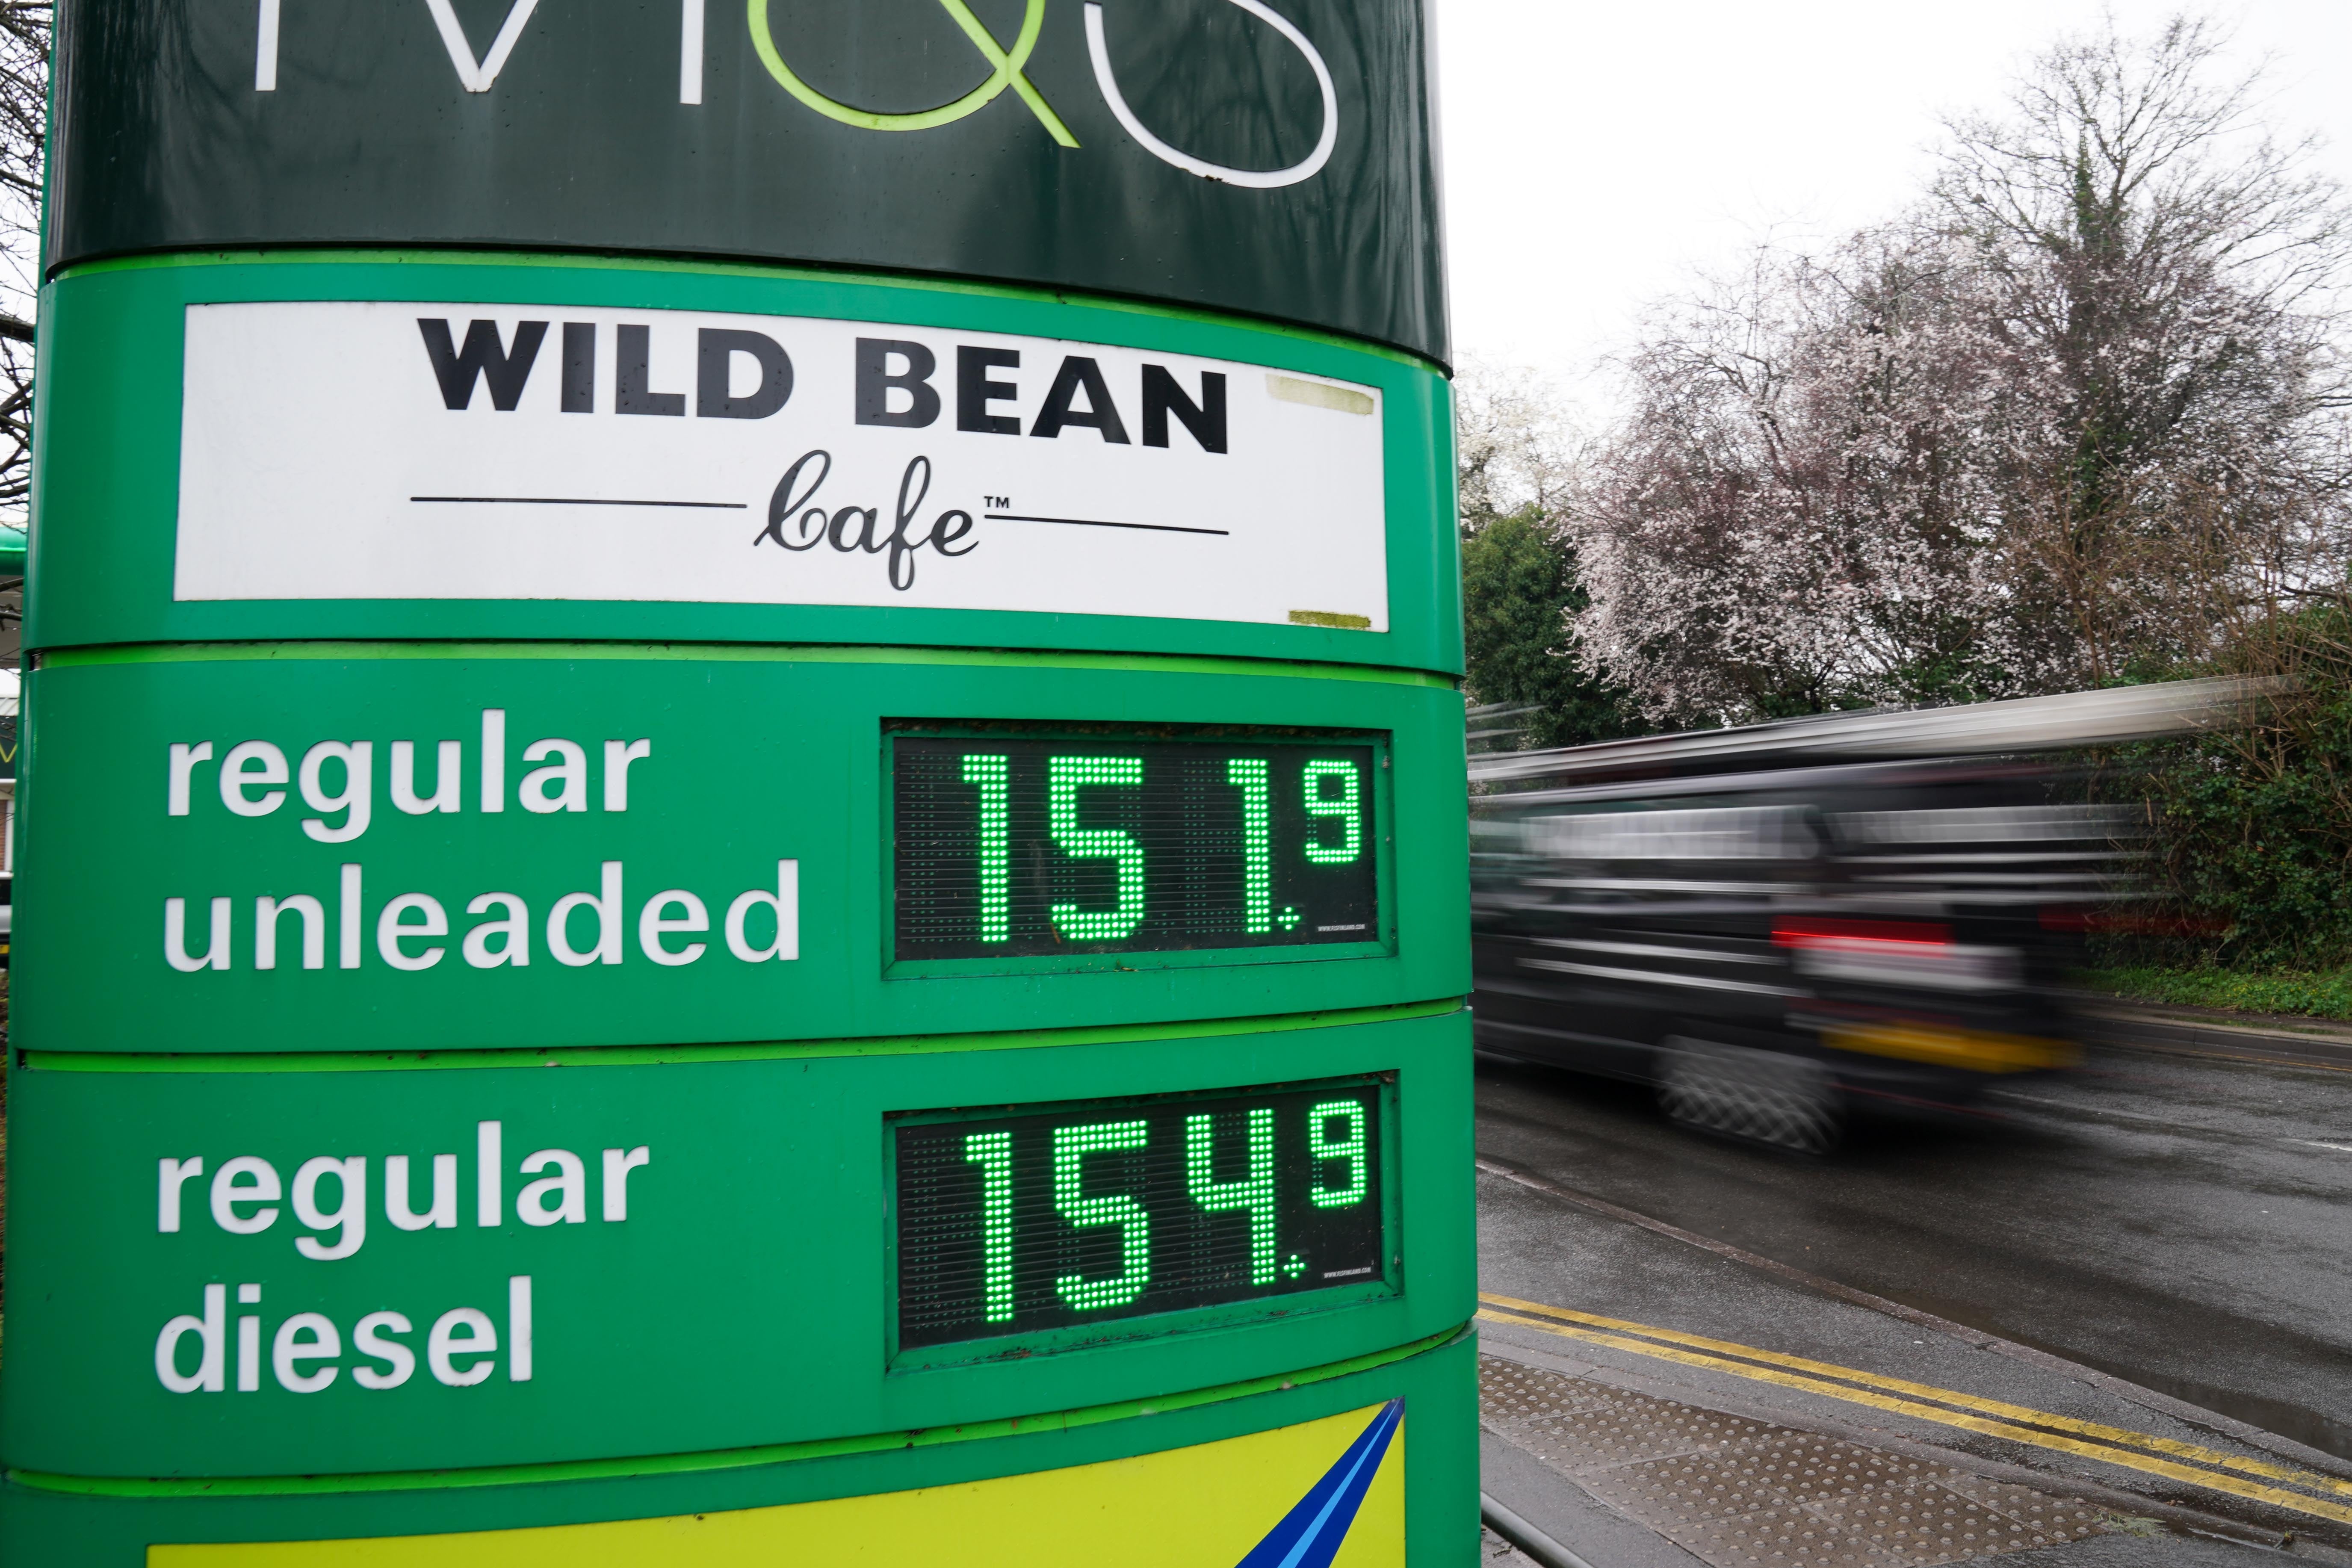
x=1771, y=1097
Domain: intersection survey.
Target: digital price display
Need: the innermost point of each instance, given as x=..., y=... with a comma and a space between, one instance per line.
x=1069, y=1215
x=1017, y=845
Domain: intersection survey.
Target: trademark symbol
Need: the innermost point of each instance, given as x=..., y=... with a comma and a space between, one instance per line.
x=997, y=501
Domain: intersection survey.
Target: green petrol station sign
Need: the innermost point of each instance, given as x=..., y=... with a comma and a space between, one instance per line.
x=740, y=806
x=532, y=847
x=475, y=1263
x=257, y=447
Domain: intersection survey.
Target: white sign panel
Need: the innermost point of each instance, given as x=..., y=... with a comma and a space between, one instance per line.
x=438, y=451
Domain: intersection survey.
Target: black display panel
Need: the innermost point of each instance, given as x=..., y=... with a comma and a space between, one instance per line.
x=1090, y=1213
x=1022, y=846
x=620, y=125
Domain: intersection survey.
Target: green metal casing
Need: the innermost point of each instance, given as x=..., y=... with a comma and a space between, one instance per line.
x=1240, y=184
x=727, y=1348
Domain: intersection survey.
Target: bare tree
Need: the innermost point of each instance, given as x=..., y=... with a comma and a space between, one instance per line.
x=24, y=117
x=1513, y=444
x=2074, y=417
x=1516, y=458
x=1792, y=514
x=2166, y=275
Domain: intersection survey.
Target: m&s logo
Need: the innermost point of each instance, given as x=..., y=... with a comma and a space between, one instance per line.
x=1007, y=71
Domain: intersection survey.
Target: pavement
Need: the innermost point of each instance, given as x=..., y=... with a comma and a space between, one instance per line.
x=2116, y=1299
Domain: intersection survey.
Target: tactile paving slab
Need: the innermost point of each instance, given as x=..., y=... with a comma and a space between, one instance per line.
x=1738, y=1493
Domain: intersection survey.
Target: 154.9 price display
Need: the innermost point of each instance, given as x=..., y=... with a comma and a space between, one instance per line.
x=1018, y=845
x=1069, y=1215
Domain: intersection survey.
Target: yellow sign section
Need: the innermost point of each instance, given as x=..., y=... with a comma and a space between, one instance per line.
x=1323, y=1494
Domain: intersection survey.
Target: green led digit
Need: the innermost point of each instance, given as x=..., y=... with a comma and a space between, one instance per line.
x=1249, y=775
x=990, y=773
x=1254, y=1192
x=1350, y=1147
x=1346, y=805
x=1071, y=1147
x=992, y=1152
x=1064, y=777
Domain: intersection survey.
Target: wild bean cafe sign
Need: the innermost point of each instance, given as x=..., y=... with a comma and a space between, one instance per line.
x=380, y=450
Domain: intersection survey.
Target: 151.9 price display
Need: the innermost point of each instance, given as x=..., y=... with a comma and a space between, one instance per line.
x=1018, y=845
x=1069, y=1215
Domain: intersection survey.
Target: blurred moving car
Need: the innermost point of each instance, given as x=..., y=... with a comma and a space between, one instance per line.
x=1783, y=924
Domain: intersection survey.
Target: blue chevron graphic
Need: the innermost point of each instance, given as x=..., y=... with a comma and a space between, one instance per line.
x=1310, y=1533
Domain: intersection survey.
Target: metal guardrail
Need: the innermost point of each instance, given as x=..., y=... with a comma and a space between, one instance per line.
x=1527, y=1537
x=1495, y=718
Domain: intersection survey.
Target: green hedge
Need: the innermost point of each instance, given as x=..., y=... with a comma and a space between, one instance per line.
x=2317, y=994
x=2252, y=850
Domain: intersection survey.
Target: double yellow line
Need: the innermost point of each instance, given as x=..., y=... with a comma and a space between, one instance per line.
x=2139, y=1451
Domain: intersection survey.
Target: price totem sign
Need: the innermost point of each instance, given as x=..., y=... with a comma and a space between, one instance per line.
x=742, y=832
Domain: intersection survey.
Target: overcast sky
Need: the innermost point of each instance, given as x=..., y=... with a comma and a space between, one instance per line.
x=1596, y=155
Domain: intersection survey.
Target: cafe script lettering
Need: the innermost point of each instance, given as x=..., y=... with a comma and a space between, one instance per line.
x=346, y=450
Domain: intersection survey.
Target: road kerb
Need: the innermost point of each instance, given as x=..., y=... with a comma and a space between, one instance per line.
x=2138, y=1451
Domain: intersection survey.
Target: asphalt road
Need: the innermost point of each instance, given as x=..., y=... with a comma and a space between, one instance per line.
x=2178, y=1221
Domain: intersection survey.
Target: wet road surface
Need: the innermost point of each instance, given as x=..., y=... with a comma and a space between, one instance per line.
x=2182, y=1223
x=2176, y=1220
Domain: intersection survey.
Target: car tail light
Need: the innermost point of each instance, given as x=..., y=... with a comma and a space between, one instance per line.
x=1807, y=932
x=1896, y=953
